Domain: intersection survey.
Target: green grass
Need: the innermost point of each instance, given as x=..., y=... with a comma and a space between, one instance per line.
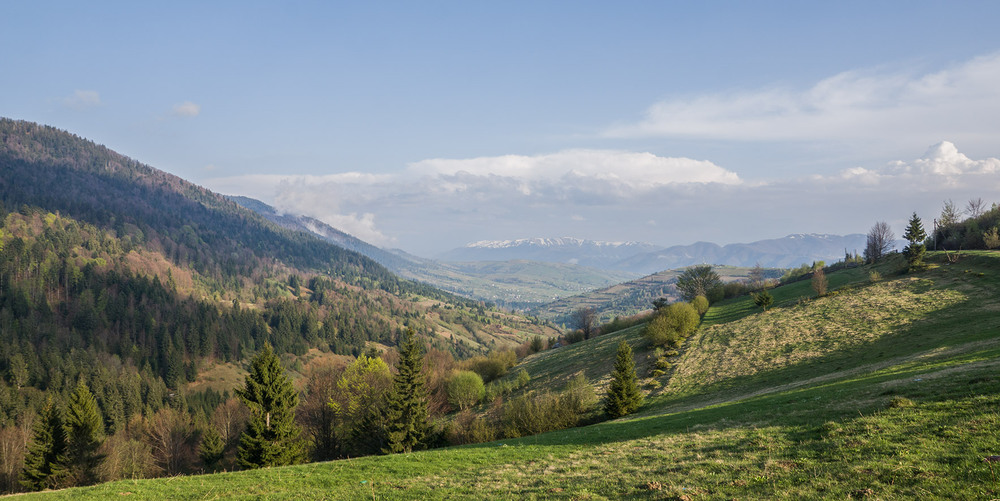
x=886, y=390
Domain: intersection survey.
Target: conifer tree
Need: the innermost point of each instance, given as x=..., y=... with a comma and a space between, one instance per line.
x=84, y=433
x=211, y=449
x=46, y=459
x=271, y=437
x=407, y=413
x=915, y=234
x=623, y=393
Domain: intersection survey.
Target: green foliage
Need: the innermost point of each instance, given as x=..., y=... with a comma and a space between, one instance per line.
x=672, y=324
x=211, y=449
x=764, y=299
x=272, y=436
x=46, y=459
x=407, y=408
x=492, y=366
x=534, y=413
x=915, y=235
x=84, y=434
x=465, y=389
x=698, y=281
x=623, y=393
x=700, y=304
x=991, y=239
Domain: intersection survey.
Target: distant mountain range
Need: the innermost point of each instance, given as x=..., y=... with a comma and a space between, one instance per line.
x=643, y=258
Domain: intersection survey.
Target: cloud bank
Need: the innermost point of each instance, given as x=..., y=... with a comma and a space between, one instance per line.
x=438, y=204
x=959, y=102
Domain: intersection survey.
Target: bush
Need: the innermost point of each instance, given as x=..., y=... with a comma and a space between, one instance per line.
x=532, y=413
x=700, y=304
x=874, y=276
x=465, y=389
x=672, y=324
x=492, y=366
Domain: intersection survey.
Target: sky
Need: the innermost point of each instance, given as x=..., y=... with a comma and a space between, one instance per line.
x=428, y=125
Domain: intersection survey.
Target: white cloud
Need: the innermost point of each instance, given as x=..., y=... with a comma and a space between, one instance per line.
x=960, y=102
x=83, y=99
x=941, y=166
x=637, y=171
x=186, y=109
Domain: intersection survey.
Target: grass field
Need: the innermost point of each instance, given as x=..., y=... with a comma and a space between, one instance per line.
x=881, y=390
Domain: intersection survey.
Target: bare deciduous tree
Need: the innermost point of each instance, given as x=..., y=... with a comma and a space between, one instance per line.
x=585, y=319
x=976, y=207
x=880, y=241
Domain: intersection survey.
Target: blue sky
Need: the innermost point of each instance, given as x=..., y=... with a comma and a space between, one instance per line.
x=426, y=125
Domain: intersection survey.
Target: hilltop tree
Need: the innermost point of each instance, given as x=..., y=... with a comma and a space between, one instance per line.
x=879, y=242
x=271, y=437
x=949, y=214
x=46, y=459
x=915, y=235
x=84, y=433
x=698, y=281
x=623, y=393
x=407, y=412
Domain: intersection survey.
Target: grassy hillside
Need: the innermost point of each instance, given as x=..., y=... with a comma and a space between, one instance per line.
x=881, y=390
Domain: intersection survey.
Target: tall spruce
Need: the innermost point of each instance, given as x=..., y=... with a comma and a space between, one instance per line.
x=211, y=449
x=84, y=434
x=45, y=462
x=915, y=235
x=272, y=436
x=623, y=394
x=407, y=413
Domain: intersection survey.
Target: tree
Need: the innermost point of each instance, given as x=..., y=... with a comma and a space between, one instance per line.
x=358, y=402
x=46, y=459
x=915, y=235
x=84, y=433
x=211, y=449
x=698, y=281
x=819, y=282
x=700, y=304
x=949, y=214
x=465, y=389
x=585, y=319
x=763, y=299
x=623, y=393
x=271, y=437
x=879, y=242
x=976, y=207
x=755, y=278
x=407, y=413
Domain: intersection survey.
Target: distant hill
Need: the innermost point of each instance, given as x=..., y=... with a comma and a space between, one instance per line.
x=591, y=253
x=514, y=283
x=644, y=258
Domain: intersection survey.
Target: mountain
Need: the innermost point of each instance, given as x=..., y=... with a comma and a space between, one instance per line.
x=103, y=257
x=644, y=259
x=515, y=283
x=591, y=253
x=786, y=252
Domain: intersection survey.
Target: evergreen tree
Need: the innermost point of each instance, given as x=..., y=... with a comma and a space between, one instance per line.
x=407, y=413
x=84, y=433
x=915, y=234
x=211, y=449
x=46, y=459
x=623, y=393
x=271, y=437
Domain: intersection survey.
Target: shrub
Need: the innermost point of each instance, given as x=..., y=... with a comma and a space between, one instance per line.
x=465, y=389
x=900, y=402
x=991, y=239
x=819, y=282
x=700, y=304
x=672, y=324
x=763, y=299
x=874, y=276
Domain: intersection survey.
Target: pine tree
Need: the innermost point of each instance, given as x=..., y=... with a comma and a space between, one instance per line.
x=623, y=393
x=84, y=433
x=407, y=413
x=915, y=234
x=211, y=449
x=45, y=462
x=271, y=437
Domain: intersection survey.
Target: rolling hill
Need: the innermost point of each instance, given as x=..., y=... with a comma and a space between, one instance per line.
x=885, y=388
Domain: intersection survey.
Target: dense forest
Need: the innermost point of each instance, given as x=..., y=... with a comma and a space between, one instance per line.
x=125, y=283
